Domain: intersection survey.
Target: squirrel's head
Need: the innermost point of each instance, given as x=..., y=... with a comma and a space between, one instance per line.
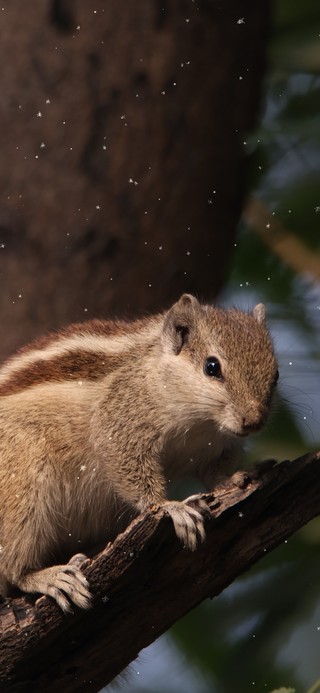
x=219, y=365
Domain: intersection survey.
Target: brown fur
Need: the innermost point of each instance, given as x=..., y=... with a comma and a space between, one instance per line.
x=98, y=418
x=72, y=365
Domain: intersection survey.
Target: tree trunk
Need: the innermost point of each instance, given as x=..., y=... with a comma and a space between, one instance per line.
x=122, y=157
x=145, y=581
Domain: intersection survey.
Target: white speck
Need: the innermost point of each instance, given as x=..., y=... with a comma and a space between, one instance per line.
x=188, y=252
x=39, y=114
x=317, y=209
x=83, y=468
x=240, y=514
x=123, y=117
x=244, y=142
x=104, y=147
x=98, y=207
x=105, y=599
x=187, y=20
x=163, y=93
x=268, y=226
x=209, y=201
x=79, y=382
x=240, y=20
x=160, y=247
x=42, y=145
x=240, y=77
x=78, y=27
x=48, y=101
x=1, y=548
x=290, y=363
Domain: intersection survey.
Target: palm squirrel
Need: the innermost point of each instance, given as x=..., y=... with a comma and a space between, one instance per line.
x=97, y=418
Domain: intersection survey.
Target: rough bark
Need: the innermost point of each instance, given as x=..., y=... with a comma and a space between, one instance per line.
x=122, y=158
x=145, y=581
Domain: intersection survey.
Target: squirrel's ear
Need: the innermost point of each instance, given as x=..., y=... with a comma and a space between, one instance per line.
x=259, y=312
x=178, y=322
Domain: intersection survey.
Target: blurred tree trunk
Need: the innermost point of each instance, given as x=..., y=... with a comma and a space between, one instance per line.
x=122, y=158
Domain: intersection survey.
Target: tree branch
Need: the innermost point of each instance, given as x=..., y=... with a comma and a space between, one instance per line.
x=145, y=581
x=286, y=245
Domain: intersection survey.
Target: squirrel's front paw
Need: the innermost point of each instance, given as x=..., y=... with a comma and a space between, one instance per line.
x=62, y=583
x=188, y=518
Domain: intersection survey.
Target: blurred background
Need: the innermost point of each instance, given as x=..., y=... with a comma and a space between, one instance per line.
x=150, y=148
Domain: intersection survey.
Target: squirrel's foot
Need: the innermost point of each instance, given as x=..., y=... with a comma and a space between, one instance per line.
x=188, y=519
x=62, y=583
x=242, y=478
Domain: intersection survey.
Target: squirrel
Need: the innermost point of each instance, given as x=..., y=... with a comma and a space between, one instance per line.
x=99, y=417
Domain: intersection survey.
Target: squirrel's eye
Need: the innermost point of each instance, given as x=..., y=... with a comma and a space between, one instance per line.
x=212, y=367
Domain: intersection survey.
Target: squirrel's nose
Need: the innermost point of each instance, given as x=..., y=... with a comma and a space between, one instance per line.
x=254, y=417
x=251, y=426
